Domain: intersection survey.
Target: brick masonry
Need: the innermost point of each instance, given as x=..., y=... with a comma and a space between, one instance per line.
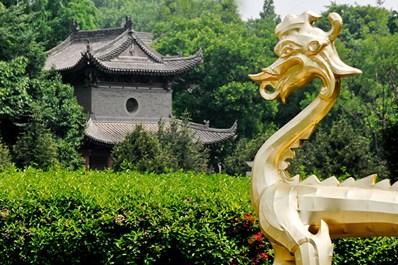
x=110, y=102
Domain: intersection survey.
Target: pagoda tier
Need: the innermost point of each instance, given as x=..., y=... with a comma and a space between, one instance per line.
x=121, y=81
x=120, y=51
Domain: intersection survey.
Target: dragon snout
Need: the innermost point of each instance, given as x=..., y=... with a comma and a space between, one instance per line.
x=281, y=76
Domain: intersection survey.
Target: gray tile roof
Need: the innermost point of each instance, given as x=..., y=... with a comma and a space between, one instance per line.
x=113, y=132
x=116, y=50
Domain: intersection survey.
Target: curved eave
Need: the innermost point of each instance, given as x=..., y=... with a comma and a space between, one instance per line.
x=175, y=66
x=111, y=133
x=212, y=136
x=171, y=67
x=77, y=66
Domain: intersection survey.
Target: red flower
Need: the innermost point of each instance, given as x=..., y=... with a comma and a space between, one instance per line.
x=258, y=237
x=263, y=255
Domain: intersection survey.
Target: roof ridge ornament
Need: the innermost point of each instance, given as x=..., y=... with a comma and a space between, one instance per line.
x=88, y=48
x=74, y=27
x=129, y=23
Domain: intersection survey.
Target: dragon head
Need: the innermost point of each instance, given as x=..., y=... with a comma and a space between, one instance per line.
x=305, y=52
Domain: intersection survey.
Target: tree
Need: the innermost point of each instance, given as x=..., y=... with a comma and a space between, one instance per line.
x=230, y=52
x=172, y=147
x=359, y=22
x=341, y=151
x=35, y=146
x=139, y=151
x=19, y=39
x=5, y=158
x=62, y=115
x=184, y=150
x=29, y=96
x=53, y=18
x=243, y=152
x=15, y=102
x=393, y=22
x=390, y=144
x=268, y=11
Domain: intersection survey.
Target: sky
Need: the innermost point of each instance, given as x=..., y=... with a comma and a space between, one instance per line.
x=252, y=8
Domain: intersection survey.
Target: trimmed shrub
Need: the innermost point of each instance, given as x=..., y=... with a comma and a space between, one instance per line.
x=59, y=217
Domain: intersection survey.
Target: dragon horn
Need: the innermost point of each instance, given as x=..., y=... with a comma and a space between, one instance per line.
x=337, y=24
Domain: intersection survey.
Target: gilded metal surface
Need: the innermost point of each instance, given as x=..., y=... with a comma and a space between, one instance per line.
x=300, y=218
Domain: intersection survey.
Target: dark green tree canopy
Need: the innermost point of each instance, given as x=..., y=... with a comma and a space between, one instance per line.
x=34, y=104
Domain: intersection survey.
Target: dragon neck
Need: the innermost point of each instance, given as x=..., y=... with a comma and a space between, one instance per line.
x=270, y=165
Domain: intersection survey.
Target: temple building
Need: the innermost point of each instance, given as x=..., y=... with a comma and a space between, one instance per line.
x=121, y=81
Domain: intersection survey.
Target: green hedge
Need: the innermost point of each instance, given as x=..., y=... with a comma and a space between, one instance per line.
x=60, y=217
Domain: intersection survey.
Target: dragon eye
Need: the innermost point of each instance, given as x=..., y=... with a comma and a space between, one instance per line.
x=286, y=52
x=314, y=46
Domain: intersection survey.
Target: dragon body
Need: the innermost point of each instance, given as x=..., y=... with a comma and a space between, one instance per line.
x=300, y=217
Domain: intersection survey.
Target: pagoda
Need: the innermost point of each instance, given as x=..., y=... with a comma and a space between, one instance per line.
x=121, y=82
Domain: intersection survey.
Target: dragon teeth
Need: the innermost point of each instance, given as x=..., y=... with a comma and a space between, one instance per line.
x=395, y=186
x=348, y=182
x=365, y=182
x=384, y=184
x=296, y=179
x=332, y=181
x=311, y=180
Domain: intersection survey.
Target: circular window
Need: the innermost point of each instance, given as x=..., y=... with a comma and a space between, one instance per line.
x=131, y=105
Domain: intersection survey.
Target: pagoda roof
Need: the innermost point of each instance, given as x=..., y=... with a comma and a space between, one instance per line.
x=113, y=132
x=116, y=51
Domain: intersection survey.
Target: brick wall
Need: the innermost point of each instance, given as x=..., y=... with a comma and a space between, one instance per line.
x=110, y=102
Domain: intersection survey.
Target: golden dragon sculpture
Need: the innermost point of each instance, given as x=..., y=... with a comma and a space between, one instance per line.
x=300, y=218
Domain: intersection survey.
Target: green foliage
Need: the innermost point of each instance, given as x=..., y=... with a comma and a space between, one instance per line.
x=147, y=14
x=62, y=13
x=240, y=101
x=390, y=144
x=268, y=11
x=19, y=39
x=244, y=151
x=35, y=147
x=231, y=50
x=5, y=158
x=60, y=217
x=181, y=148
x=359, y=22
x=363, y=251
x=25, y=88
x=139, y=151
x=62, y=115
x=55, y=105
x=172, y=147
x=14, y=90
x=53, y=18
x=393, y=22
x=340, y=151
